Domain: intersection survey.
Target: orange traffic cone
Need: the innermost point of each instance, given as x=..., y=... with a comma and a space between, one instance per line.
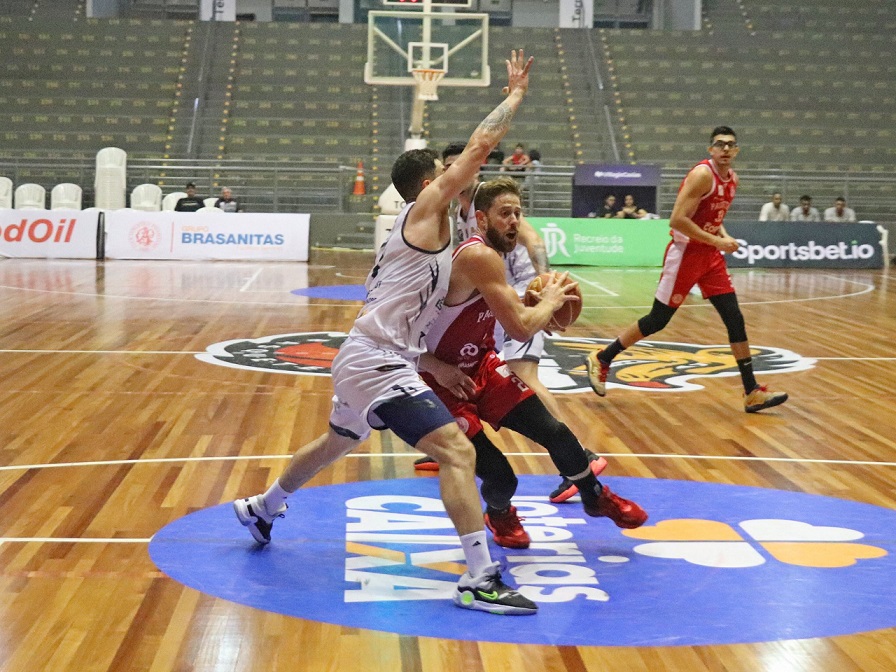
x=360, y=188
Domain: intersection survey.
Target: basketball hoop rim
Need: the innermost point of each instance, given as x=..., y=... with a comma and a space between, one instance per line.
x=428, y=74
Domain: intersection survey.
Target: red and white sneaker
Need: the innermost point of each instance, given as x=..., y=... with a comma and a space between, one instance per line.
x=507, y=529
x=597, y=373
x=621, y=511
x=568, y=489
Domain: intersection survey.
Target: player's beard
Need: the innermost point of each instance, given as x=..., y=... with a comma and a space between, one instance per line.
x=499, y=242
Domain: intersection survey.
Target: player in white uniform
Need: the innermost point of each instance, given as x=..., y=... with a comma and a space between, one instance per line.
x=374, y=375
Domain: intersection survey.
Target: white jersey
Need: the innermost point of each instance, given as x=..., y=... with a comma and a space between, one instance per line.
x=465, y=227
x=519, y=268
x=405, y=291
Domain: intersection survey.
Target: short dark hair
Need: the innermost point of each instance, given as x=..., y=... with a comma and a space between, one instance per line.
x=535, y=155
x=722, y=130
x=487, y=192
x=839, y=198
x=411, y=169
x=453, y=149
x=805, y=197
x=191, y=185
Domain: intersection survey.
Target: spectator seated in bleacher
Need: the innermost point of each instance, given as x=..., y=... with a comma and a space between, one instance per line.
x=774, y=210
x=839, y=212
x=804, y=212
x=226, y=202
x=518, y=161
x=630, y=209
x=191, y=202
x=608, y=210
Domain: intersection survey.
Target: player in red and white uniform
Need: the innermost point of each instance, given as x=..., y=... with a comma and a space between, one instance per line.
x=375, y=381
x=694, y=257
x=463, y=369
x=522, y=264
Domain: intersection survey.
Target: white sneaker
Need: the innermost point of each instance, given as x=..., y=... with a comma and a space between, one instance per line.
x=488, y=592
x=251, y=513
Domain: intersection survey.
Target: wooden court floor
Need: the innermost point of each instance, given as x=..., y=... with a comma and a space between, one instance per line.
x=110, y=428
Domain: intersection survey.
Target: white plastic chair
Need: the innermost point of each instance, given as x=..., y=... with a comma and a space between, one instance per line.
x=146, y=197
x=31, y=197
x=65, y=196
x=210, y=201
x=111, y=177
x=171, y=200
x=5, y=192
x=209, y=208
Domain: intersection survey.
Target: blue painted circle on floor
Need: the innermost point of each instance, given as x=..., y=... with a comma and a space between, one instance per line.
x=334, y=292
x=715, y=564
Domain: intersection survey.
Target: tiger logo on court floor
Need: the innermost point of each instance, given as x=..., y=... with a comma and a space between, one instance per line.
x=652, y=366
x=655, y=366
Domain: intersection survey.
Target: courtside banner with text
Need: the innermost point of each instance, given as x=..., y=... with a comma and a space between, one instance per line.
x=56, y=234
x=624, y=242
x=603, y=242
x=132, y=234
x=805, y=245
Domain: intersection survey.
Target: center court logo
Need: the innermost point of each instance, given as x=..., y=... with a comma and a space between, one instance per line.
x=719, y=564
x=651, y=366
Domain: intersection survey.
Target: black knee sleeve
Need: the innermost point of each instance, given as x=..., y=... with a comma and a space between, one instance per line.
x=657, y=319
x=729, y=311
x=531, y=419
x=498, y=478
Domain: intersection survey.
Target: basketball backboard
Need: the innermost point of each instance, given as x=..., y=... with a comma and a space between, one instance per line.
x=399, y=42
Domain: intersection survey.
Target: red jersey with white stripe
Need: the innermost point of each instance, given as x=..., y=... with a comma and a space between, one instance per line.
x=713, y=205
x=463, y=334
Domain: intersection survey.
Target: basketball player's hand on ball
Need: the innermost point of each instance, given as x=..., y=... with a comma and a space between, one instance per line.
x=518, y=72
x=557, y=290
x=727, y=244
x=454, y=380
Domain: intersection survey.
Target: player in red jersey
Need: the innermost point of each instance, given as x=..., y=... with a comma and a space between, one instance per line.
x=694, y=257
x=463, y=369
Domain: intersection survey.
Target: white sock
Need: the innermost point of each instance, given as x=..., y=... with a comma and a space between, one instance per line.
x=274, y=498
x=475, y=547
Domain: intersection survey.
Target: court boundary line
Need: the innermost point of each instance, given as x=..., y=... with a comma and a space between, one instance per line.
x=235, y=458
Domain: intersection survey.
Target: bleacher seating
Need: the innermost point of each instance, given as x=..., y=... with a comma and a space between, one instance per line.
x=808, y=85
x=73, y=87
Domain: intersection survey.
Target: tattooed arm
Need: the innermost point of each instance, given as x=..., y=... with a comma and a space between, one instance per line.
x=484, y=139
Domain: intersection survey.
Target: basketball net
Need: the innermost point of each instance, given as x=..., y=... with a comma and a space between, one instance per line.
x=427, y=80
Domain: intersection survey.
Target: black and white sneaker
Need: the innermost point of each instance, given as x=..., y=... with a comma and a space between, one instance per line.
x=251, y=513
x=488, y=592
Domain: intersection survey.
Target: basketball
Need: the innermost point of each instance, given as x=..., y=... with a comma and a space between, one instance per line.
x=566, y=314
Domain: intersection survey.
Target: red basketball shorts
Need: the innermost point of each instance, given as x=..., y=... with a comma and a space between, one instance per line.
x=498, y=392
x=689, y=264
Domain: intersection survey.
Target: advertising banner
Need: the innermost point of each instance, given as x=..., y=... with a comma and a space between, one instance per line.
x=131, y=234
x=805, y=245
x=51, y=234
x=603, y=242
x=612, y=242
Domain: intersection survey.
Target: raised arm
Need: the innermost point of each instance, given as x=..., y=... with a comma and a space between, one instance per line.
x=434, y=199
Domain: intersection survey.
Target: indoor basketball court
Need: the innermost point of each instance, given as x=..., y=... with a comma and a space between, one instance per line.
x=141, y=397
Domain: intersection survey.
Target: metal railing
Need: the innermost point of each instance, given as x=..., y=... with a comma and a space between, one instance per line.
x=318, y=186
